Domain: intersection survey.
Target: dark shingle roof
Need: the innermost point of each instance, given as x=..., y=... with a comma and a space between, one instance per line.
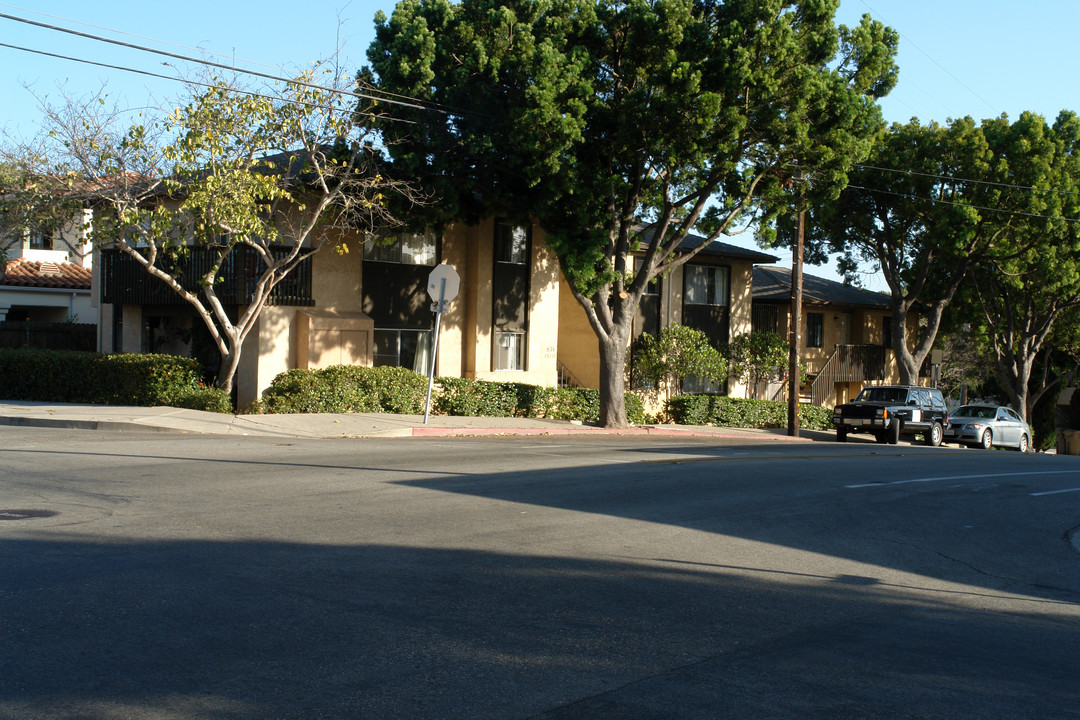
x=717, y=248
x=31, y=273
x=773, y=284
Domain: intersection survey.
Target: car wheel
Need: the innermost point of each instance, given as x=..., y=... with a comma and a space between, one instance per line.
x=986, y=440
x=841, y=434
x=894, y=432
x=933, y=435
x=881, y=436
x=1023, y=445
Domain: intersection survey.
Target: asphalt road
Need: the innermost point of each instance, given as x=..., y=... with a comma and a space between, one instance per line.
x=220, y=578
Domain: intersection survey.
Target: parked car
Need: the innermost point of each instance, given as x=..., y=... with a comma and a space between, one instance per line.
x=889, y=411
x=988, y=426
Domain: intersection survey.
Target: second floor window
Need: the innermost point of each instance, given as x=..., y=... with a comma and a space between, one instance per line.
x=815, y=329
x=511, y=243
x=403, y=248
x=706, y=285
x=41, y=238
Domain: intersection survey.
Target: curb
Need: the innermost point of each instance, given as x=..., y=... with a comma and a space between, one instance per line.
x=112, y=425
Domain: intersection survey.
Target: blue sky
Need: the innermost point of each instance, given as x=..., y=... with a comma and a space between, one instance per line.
x=957, y=57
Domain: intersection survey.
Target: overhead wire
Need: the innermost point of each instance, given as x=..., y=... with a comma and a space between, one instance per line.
x=965, y=180
x=960, y=204
x=198, y=83
x=407, y=102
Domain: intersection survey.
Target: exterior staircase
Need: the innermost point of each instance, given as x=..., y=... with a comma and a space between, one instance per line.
x=849, y=363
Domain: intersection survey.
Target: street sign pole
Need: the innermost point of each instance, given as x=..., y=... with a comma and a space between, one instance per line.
x=443, y=283
x=437, y=307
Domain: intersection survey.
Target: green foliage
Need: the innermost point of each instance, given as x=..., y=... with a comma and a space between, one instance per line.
x=344, y=389
x=277, y=172
x=757, y=357
x=483, y=398
x=122, y=379
x=722, y=411
x=1043, y=422
x=599, y=117
x=676, y=354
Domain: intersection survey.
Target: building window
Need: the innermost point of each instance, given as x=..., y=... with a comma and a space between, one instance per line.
x=509, y=350
x=652, y=288
x=403, y=248
x=511, y=243
x=765, y=318
x=815, y=329
x=706, y=285
x=41, y=238
x=403, y=348
x=886, y=331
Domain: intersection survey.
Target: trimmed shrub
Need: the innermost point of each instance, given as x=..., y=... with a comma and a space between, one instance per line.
x=477, y=398
x=210, y=399
x=345, y=388
x=119, y=379
x=723, y=411
x=484, y=398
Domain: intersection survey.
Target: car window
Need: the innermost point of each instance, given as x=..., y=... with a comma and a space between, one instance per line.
x=924, y=397
x=882, y=394
x=937, y=399
x=1011, y=415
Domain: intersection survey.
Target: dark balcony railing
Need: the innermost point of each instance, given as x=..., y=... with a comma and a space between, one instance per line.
x=125, y=282
x=849, y=363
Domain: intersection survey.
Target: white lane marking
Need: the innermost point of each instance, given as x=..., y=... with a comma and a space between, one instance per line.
x=959, y=477
x=1055, y=492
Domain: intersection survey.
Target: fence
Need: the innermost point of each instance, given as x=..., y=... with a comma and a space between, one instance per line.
x=48, y=335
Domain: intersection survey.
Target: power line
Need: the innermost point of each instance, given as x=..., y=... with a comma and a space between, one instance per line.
x=121, y=32
x=189, y=82
x=414, y=104
x=965, y=180
x=931, y=59
x=959, y=204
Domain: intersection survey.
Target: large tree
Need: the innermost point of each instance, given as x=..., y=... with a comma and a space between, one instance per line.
x=928, y=204
x=598, y=117
x=1030, y=287
x=280, y=172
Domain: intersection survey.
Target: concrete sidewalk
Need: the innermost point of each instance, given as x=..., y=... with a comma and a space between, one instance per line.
x=333, y=425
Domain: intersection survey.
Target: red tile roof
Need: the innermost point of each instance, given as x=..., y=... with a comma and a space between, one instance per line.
x=31, y=273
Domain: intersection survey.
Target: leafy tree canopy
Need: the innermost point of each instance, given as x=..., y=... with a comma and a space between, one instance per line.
x=597, y=117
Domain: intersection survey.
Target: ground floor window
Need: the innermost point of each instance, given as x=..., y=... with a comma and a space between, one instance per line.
x=509, y=350
x=403, y=348
x=694, y=385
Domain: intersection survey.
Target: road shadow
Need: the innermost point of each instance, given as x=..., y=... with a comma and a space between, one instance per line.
x=230, y=630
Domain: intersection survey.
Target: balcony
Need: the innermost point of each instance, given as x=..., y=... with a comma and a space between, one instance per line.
x=125, y=282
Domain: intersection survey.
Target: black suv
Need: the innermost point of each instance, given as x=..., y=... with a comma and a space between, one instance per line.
x=889, y=411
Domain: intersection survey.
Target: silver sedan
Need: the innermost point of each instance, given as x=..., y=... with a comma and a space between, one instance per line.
x=988, y=426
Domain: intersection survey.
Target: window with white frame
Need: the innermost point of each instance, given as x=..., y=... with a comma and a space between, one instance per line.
x=509, y=351
x=403, y=248
x=706, y=285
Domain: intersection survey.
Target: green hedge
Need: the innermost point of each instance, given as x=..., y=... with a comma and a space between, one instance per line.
x=737, y=412
x=121, y=379
x=345, y=388
x=484, y=398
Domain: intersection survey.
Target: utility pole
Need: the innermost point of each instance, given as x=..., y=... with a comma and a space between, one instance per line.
x=795, y=324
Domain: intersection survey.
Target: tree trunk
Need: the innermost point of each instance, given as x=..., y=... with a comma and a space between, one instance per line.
x=613, y=349
x=230, y=361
